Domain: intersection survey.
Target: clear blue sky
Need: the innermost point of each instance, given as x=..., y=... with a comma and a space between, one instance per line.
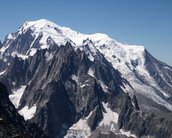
x=144, y=22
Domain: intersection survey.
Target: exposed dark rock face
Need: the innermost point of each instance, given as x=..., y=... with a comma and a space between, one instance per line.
x=14, y=44
x=95, y=118
x=145, y=124
x=156, y=68
x=98, y=134
x=11, y=123
x=60, y=97
x=56, y=88
x=9, y=115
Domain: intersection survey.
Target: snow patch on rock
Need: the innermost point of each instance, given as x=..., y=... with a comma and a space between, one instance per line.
x=16, y=95
x=15, y=53
x=91, y=72
x=108, y=116
x=48, y=56
x=104, y=87
x=75, y=78
x=127, y=133
x=80, y=129
x=27, y=112
x=2, y=72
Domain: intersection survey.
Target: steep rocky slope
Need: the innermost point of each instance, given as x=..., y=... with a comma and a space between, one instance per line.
x=11, y=123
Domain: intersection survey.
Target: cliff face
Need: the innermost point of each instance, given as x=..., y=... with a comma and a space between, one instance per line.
x=11, y=123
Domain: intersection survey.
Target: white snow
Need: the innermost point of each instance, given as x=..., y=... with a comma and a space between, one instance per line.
x=81, y=85
x=46, y=29
x=128, y=89
x=166, y=67
x=32, y=51
x=10, y=36
x=2, y=72
x=5, y=60
x=4, y=48
x=81, y=125
x=75, y=78
x=121, y=57
x=15, y=53
x=48, y=56
x=128, y=133
x=91, y=72
x=27, y=112
x=84, y=85
x=149, y=92
x=104, y=87
x=80, y=129
x=109, y=116
x=90, y=57
x=16, y=95
x=170, y=77
x=37, y=24
x=60, y=35
x=89, y=49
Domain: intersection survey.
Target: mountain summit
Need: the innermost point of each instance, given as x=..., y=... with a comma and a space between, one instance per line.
x=73, y=84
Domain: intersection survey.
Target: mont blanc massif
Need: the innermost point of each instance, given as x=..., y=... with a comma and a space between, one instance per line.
x=56, y=82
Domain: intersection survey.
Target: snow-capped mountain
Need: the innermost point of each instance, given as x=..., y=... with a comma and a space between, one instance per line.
x=77, y=84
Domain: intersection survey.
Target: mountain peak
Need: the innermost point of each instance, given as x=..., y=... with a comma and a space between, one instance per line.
x=39, y=23
x=60, y=34
x=44, y=29
x=39, y=26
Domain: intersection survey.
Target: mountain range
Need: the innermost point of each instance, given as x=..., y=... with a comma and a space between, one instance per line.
x=77, y=85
